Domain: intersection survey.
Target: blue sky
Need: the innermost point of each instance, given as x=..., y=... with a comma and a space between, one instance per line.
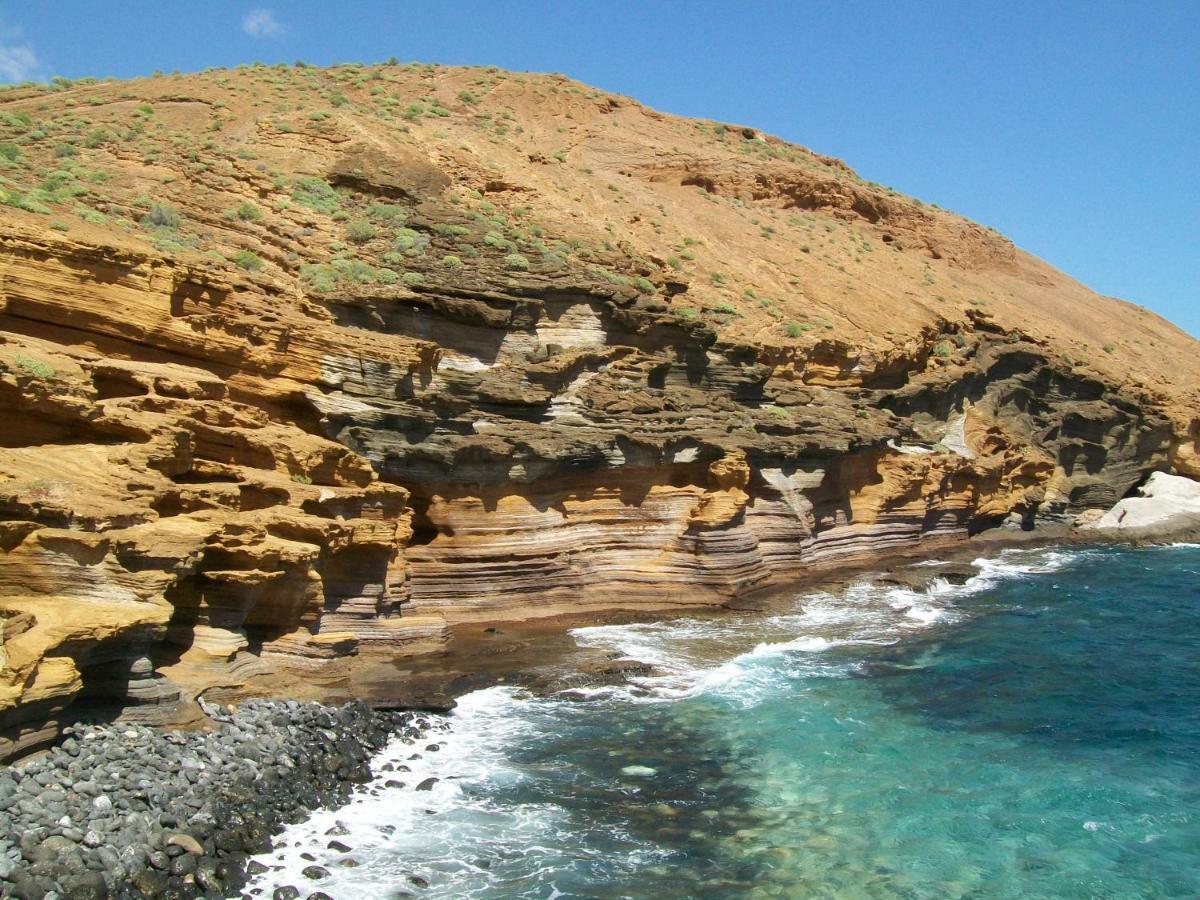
x=1072, y=127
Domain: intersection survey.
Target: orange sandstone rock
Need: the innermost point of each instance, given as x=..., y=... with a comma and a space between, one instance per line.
x=283, y=390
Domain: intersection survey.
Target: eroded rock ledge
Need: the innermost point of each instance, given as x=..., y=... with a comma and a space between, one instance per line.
x=206, y=481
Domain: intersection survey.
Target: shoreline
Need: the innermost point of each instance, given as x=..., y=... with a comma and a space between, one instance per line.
x=82, y=818
x=129, y=811
x=538, y=653
x=536, y=690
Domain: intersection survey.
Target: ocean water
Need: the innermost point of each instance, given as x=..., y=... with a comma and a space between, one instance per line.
x=1032, y=733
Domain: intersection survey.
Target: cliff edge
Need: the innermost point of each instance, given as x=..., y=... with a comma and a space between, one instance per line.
x=300, y=363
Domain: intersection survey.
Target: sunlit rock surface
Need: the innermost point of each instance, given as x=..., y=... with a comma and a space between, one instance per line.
x=281, y=386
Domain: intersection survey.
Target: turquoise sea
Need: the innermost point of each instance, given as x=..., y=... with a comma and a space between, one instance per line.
x=1034, y=732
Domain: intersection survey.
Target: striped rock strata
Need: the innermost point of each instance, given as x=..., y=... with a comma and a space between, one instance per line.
x=219, y=476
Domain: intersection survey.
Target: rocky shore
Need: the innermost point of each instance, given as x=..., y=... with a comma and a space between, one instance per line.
x=125, y=811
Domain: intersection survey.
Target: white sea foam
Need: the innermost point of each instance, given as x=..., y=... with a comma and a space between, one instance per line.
x=693, y=657
x=1019, y=563
x=447, y=835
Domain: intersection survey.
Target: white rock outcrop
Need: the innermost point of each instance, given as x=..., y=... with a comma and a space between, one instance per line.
x=1164, y=500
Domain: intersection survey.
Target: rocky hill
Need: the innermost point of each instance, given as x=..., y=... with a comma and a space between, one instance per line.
x=300, y=363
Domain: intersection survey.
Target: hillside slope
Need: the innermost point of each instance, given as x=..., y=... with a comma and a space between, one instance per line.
x=299, y=363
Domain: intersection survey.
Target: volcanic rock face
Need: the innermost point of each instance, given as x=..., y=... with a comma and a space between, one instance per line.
x=311, y=390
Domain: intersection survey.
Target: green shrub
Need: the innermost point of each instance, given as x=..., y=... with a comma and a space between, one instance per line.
x=317, y=194
x=248, y=261
x=410, y=242
x=497, y=240
x=687, y=312
x=360, y=232
x=97, y=137
x=21, y=201
x=943, y=349
x=18, y=121
x=246, y=212
x=412, y=279
x=321, y=278
x=170, y=241
x=387, y=213
x=386, y=276
x=610, y=276
x=10, y=151
x=452, y=261
x=1109, y=348
x=162, y=216
x=728, y=308
x=35, y=367
x=59, y=181
x=644, y=285
x=354, y=270
x=90, y=215
x=795, y=329
x=516, y=261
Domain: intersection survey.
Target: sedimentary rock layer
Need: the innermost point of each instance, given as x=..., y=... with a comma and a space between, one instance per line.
x=331, y=392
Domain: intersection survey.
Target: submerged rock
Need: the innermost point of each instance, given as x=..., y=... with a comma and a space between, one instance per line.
x=638, y=771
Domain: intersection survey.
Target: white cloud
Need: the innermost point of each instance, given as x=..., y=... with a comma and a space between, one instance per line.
x=18, y=62
x=261, y=23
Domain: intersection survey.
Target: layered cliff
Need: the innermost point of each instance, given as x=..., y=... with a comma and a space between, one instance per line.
x=297, y=364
